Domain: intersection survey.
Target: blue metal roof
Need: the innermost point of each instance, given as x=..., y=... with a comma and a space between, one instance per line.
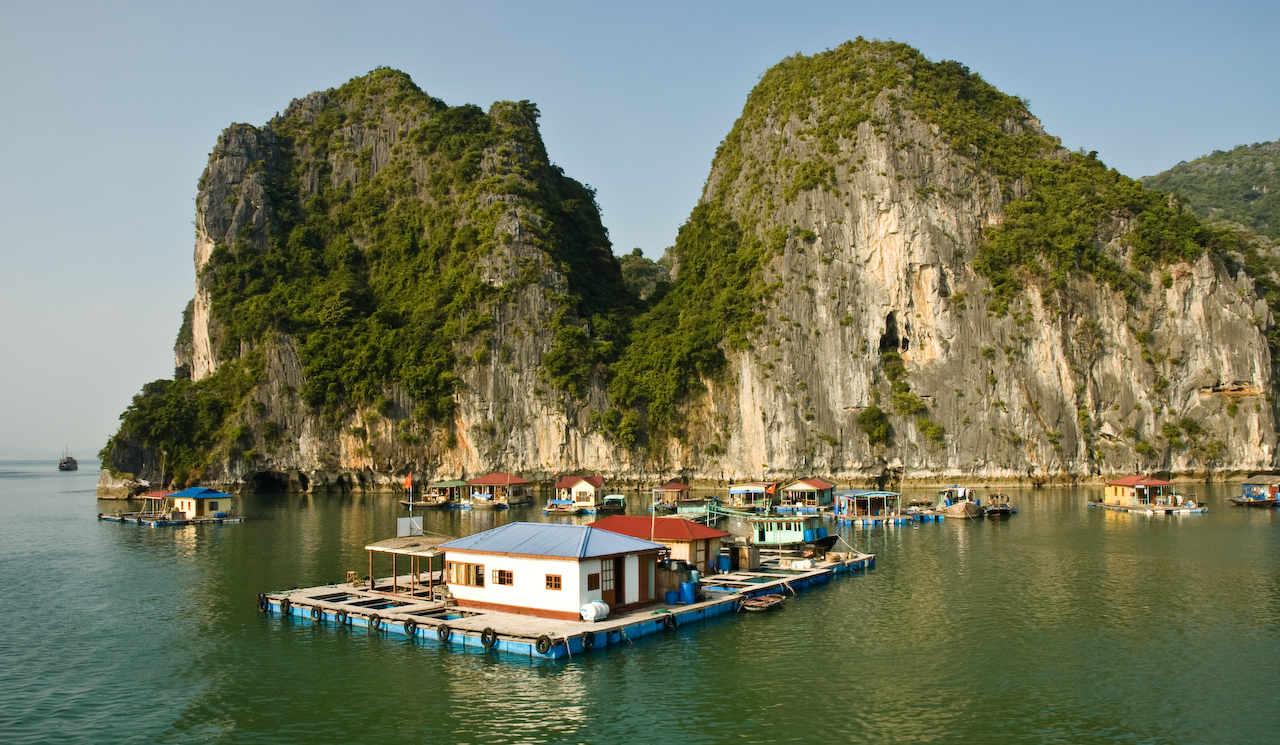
x=551, y=539
x=199, y=492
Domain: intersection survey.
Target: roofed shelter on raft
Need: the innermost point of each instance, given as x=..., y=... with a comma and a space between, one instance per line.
x=1132, y=491
x=448, y=492
x=500, y=490
x=415, y=548
x=807, y=494
x=669, y=493
x=551, y=570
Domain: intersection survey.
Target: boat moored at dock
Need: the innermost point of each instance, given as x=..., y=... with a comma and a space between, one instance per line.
x=1147, y=496
x=959, y=502
x=1257, y=495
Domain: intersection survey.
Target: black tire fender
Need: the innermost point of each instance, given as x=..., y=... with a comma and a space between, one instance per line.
x=670, y=621
x=316, y=613
x=543, y=645
x=285, y=605
x=263, y=603
x=488, y=637
x=375, y=622
x=341, y=618
x=443, y=631
x=588, y=640
x=410, y=627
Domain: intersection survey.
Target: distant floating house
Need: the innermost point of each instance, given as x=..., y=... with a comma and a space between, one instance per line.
x=666, y=496
x=201, y=502
x=806, y=495
x=445, y=492
x=753, y=494
x=688, y=541
x=551, y=569
x=1135, y=491
x=500, y=490
x=585, y=492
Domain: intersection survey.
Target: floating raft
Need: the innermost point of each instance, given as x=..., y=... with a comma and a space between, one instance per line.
x=901, y=519
x=434, y=620
x=160, y=521
x=1153, y=509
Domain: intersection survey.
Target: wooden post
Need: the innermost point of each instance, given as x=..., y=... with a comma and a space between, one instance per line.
x=393, y=572
x=371, y=570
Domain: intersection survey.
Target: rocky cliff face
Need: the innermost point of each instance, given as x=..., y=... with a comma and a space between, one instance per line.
x=872, y=303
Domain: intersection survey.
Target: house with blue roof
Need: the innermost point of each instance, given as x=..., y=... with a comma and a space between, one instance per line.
x=551, y=570
x=201, y=501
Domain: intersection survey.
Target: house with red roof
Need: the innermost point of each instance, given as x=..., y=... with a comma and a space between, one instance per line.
x=586, y=492
x=688, y=541
x=1132, y=491
x=498, y=490
x=806, y=495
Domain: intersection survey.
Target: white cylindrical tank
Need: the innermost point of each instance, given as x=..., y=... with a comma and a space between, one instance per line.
x=596, y=610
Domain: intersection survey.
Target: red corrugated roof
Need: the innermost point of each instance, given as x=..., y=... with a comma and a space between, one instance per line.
x=816, y=483
x=499, y=479
x=662, y=529
x=569, y=481
x=673, y=485
x=1139, y=481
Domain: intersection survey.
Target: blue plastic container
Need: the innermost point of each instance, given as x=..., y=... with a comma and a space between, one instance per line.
x=673, y=597
x=822, y=533
x=724, y=561
x=688, y=593
x=809, y=535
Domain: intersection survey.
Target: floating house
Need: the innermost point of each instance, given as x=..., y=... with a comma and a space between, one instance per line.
x=868, y=506
x=499, y=490
x=753, y=495
x=666, y=497
x=551, y=570
x=201, y=502
x=448, y=493
x=1139, y=491
x=686, y=540
x=806, y=495
x=585, y=493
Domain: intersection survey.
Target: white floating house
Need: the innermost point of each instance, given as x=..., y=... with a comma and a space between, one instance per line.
x=551, y=570
x=201, y=502
x=586, y=492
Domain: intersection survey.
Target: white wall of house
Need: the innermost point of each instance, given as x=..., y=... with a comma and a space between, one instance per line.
x=529, y=582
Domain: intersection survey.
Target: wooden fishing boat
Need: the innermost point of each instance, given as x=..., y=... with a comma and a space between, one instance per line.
x=562, y=507
x=999, y=507
x=614, y=503
x=1257, y=495
x=959, y=501
x=763, y=602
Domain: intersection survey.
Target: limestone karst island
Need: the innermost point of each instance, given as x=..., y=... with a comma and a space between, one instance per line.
x=893, y=273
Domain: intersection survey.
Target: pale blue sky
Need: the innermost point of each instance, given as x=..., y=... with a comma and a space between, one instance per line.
x=108, y=113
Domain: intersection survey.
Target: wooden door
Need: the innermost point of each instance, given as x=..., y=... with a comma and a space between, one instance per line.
x=619, y=579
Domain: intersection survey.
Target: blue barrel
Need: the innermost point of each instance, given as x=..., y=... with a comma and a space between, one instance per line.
x=724, y=561
x=822, y=533
x=672, y=597
x=808, y=535
x=688, y=592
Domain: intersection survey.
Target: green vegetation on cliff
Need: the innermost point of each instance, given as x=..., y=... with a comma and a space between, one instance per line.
x=1240, y=185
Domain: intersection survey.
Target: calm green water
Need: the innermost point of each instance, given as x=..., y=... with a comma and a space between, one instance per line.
x=1062, y=625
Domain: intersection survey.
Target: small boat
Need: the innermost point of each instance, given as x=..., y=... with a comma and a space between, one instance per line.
x=763, y=602
x=67, y=463
x=1257, y=495
x=999, y=507
x=423, y=504
x=959, y=501
x=614, y=503
x=562, y=507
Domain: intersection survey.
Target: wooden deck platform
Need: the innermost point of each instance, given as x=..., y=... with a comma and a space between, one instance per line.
x=430, y=617
x=161, y=521
x=1153, y=509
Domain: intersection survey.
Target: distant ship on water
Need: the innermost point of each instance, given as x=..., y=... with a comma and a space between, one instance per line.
x=68, y=463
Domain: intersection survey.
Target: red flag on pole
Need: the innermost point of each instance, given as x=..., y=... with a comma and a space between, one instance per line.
x=770, y=488
x=408, y=481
